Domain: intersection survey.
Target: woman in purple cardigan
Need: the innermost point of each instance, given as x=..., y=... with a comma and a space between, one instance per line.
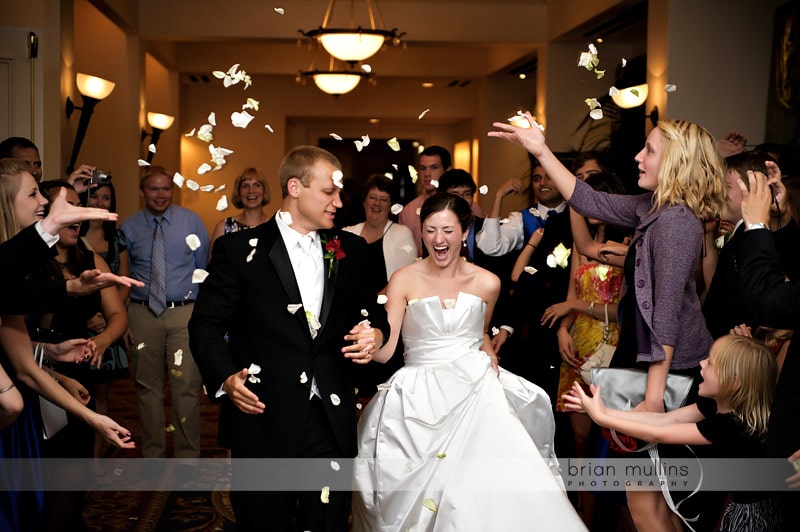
x=661, y=326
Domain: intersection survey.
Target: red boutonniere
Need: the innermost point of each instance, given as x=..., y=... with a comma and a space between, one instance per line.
x=333, y=252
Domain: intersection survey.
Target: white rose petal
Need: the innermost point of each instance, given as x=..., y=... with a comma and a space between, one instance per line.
x=520, y=120
x=303, y=378
x=207, y=188
x=592, y=49
x=335, y=465
x=335, y=400
x=418, y=211
x=624, y=62
x=359, y=145
x=325, y=495
x=530, y=269
x=205, y=134
x=253, y=242
x=388, y=175
x=613, y=91
x=141, y=346
x=253, y=379
x=191, y=184
x=720, y=242
x=395, y=167
x=366, y=68
x=335, y=136
x=193, y=241
x=396, y=209
x=254, y=369
x=364, y=312
x=551, y=261
x=212, y=118
x=251, y=103
x=423, y=113
x=222, y=203
x=178, y=179
x=220, y=188
x=483, y=190
x=359, y=406
x=503, y=220
x=285, y=217
x=241, y=119
x=413, y=173
x=178, y=357
x=365, y=140
x=151, y=148
x=602, y=271
x=294, y=307
x=203, y=169
x=596, y=114
x=199, y=275
x=495, y=331
x=142, y=163
x=670, y=87
x=337, y=177
x=382, y=299
x=191, y=133
x=393, y=144
x=269, y=128
x=435, y=183
x=430, y=504
x=279, y=10
x=250, y=255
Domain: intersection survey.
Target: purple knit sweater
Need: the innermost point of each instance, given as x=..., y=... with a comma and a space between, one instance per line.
x=668, y=246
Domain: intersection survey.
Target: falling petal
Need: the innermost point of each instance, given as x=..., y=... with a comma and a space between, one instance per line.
x=365, y=140
x=204, y=133
x=382, y=299
x=388, y=175
x=441, y=456
x=435, y=183
x=592, y=103
x=366, y=68
x=170, y=428
x=325, y=495
x=335, y=136
x=269, y=128
x=596, y=114
x=600, y=73
x=395, y=167
x=602, y=271
x=191, y=184
x=254, y=369
x=592, y=49
x=251, y=103
x=199, y=275
x=335, y=465
x=359, y=406
x=220, y=188
x=423, y=113
x=393, y=144
x=222, y=203
x=212, y=118
x=250, y=255
x=430, y=504
x=417, y=211
x=178, y=357
x=313, y=323
x=253, y=242
x=141, y=346
x=203, y=169
x=191, y=133
x=495, y=331
x=253, y=379
x=335, y=400
x=303, y=378
x=413, y=173
x=279, y=10
x=364, y=312
x=503, y=221
x=359, y=145
x=219, y=74
x=530, y=269
x=624, y=62
x=207, y=188
x=483, y=190
x=337, y=177
x=193, y=241
x=520, y=120
x=396, y=209
x=142, y=162
x=151, y=148
x=241, y=119
x=613, y=91
x=670, y=87
x=294, y=307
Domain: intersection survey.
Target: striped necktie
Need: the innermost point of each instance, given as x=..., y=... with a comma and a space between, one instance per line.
x=157, y=300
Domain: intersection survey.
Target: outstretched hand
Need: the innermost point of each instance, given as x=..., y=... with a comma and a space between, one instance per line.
x=75, y=350
x=363, y=339
x=63, y=214
x=531, y=138
x=112, y=432
x=794, y=481
x=577, y=400
x=93, y=280
x=238, y=392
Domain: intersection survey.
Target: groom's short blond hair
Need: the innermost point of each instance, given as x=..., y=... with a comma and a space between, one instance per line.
x=298, y=163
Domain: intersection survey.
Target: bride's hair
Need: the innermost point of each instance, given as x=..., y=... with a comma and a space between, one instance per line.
x=441, y=201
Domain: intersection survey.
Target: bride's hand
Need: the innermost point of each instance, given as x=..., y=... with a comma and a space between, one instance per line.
x=364, y=340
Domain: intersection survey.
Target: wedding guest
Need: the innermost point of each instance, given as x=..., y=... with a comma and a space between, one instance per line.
x=295, y=313
x=681, y=167
x=250, y=193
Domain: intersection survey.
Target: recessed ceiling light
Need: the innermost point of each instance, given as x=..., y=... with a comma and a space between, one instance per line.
x=522, y=75
x=427, y=84
x=374, y=120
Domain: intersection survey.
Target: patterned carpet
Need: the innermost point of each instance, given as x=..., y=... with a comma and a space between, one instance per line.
x=168, y=511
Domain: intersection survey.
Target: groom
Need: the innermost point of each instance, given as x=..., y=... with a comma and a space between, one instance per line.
x=288, y=296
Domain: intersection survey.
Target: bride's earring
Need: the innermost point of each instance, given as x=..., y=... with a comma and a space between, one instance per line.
x=463, y=243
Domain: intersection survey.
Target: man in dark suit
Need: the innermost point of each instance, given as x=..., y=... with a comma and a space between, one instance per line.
x=293, y=311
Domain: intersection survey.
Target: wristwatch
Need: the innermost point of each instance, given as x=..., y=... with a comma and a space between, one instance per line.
x=759, y=225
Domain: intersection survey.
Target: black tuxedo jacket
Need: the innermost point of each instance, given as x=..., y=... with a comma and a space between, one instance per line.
x=724, y=306
x=248, y=299
x=18, y=256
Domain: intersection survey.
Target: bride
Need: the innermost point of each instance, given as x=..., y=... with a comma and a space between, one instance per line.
x=451, y=441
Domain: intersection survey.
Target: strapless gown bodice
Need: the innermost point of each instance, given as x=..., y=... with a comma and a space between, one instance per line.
x=447, y=444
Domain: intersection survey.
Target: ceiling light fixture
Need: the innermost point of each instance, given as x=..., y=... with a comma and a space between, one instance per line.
x=335, y=81
x=354, y=43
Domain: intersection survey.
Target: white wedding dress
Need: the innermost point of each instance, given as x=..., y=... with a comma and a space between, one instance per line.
x=446, y=445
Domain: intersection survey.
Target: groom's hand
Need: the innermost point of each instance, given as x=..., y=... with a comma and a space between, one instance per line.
x=242, y=397
x=364, y=339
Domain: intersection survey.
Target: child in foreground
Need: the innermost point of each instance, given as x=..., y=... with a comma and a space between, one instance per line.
x=730, y=415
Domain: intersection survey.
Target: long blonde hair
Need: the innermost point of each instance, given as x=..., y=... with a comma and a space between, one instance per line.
x=747, y=375
x=10, y=180
x=692, y=171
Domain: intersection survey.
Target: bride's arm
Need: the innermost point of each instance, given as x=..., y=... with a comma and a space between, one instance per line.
x=395, y=312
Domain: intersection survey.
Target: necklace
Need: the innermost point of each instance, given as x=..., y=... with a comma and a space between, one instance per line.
x=63, y=264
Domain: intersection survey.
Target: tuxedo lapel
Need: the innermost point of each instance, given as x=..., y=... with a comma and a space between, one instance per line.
x=279, y=257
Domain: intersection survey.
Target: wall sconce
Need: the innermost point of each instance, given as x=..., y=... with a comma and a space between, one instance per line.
x=93, y=89
x=353, y=44
x=631, y=97
x=159, y=122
